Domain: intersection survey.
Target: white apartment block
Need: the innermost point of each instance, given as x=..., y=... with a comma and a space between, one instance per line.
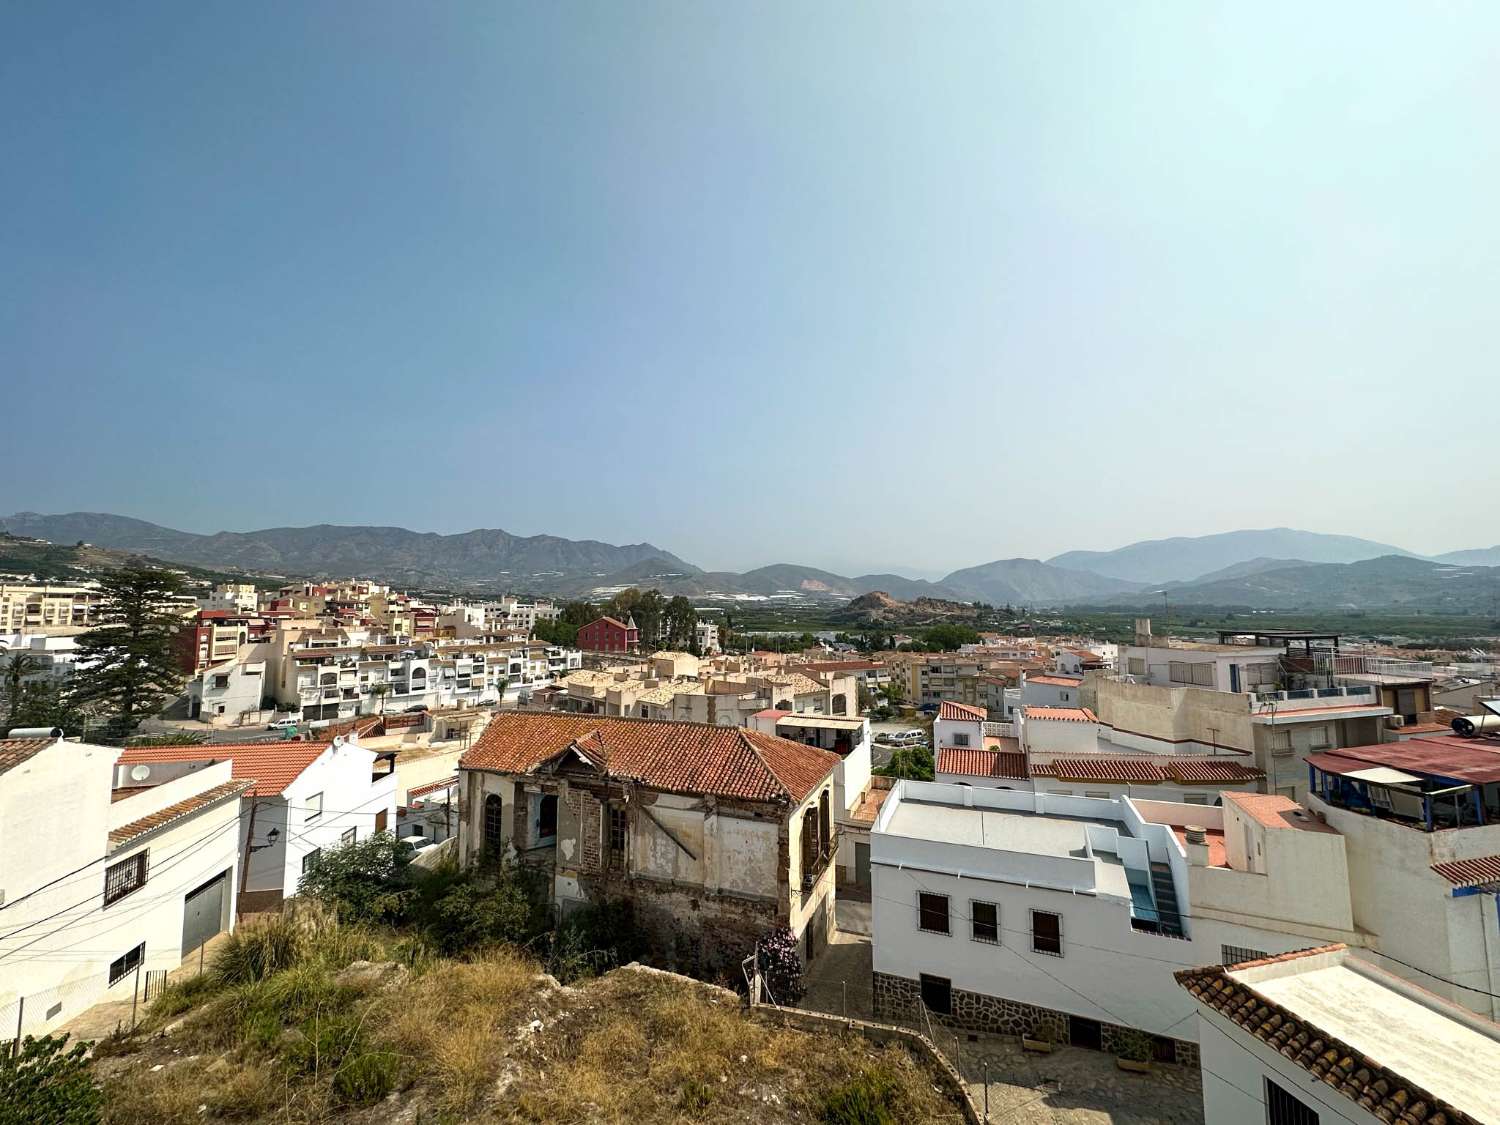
x=1066, y=917
x=112, y=876
x=36, y=609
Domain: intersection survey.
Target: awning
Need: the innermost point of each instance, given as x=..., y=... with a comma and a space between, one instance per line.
x=1383, y=775
x=825, y=722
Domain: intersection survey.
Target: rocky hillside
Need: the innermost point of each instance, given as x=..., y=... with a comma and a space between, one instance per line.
x=880, y=609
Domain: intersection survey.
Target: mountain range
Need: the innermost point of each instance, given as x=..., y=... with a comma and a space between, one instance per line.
x=1272, y=568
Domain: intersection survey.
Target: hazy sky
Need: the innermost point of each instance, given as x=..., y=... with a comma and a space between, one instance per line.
x=858, y=285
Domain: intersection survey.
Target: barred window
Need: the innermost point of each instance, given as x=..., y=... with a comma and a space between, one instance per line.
x=1046, y=932
x=122, y=966
x=932, y=913
x=1239, y=954
x=125, y=877
x=984, y=917
x=618, y=834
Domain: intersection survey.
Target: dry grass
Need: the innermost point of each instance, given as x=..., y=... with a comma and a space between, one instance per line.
x=644, y=1049
x=486, y=1040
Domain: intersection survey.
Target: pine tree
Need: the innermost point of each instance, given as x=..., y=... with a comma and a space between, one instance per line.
x=126, y=668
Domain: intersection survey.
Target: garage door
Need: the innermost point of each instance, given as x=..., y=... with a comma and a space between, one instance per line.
x=203, y=912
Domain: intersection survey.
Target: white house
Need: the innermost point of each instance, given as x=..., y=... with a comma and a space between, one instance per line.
x=111, y=875
x=1050, y=689
x=1324, y=1037
x=1016, y=912
x=307, y=797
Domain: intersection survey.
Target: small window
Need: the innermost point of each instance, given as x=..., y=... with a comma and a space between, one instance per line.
x=1284, y=1109
x=1046, y=933
x=985, y=920
x=121, y=967
x=961, y=740
x=311, y=860
x=932, y=913
x=125, y=877
x=1097, y=794
x=1137, y=666
x=1195, y=798
x=315, y=806
x=349, y=836
x=1239, y=954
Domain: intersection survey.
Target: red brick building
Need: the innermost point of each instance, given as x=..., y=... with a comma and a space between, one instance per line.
x=609, y=635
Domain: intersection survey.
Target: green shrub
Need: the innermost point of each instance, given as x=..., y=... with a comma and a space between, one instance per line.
x=256, y=951
x=472, y=909
x=369, y=880
x=180, y=996
x=48, y=1084
x=869, y=1099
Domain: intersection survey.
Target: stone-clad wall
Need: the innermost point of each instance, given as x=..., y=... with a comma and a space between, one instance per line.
x=898, y=998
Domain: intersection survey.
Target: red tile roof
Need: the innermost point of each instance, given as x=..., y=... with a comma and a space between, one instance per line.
x=982, y=763
x=1190, y=771
x=1477, y=872
x=962, y=712
x=272, y=765
x=1061, y=714
x=1055, y=681
x=1101, y=769
x=14, y=751
x=186, y=807
x=432, y=787
x=675, y=757
x=1380, y=1092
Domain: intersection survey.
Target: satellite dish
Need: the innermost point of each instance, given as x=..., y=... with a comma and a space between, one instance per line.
x=140, y=773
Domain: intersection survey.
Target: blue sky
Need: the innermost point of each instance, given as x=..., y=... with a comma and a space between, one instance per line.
x=859, y=285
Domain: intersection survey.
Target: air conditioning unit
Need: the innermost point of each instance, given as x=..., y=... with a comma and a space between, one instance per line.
x=1395, y=722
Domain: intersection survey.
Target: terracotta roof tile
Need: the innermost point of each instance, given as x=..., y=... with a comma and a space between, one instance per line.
x=1055, y=681
x=1102, y=769
x=272, y=765
x=1061, y=714
x=432, y=787
x=186, y=807
x=1477, y=872
x=982, y=763
x=672, y=756
x=1381, y=1092
x=14, y=751
x=1190, y=771
x=963, y=712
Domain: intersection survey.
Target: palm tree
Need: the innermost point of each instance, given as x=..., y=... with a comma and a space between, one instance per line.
x=379, y=692
x=17, y=669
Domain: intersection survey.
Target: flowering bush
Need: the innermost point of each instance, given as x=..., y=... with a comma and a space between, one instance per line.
x=780, y=965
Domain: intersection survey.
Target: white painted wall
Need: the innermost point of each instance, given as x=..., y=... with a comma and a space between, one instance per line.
x=59, y=942
x=1235, y=1067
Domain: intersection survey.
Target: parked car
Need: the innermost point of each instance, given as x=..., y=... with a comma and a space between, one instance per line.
x=283, y=726
x=415, y=708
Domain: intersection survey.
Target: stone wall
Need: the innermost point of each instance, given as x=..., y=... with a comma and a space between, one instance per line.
x=686, y=930
x=899, y=998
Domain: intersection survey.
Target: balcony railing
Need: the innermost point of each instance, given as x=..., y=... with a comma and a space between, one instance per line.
x=811, y=875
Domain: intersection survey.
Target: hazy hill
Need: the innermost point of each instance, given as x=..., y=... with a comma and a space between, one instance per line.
x=1393, y=582
x=391, y=553
x=879, y=608
x=1242, y=570
x=1483, y=556
x=1031, y=582
x=1186, y=558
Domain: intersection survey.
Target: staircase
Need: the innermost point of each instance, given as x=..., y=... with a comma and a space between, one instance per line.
x=1165, y=893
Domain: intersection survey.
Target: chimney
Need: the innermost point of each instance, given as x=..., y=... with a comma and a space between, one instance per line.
x=1143, y=632
x=1197, y=844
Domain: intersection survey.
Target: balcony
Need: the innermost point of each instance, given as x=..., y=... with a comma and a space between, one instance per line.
x=811, y=875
